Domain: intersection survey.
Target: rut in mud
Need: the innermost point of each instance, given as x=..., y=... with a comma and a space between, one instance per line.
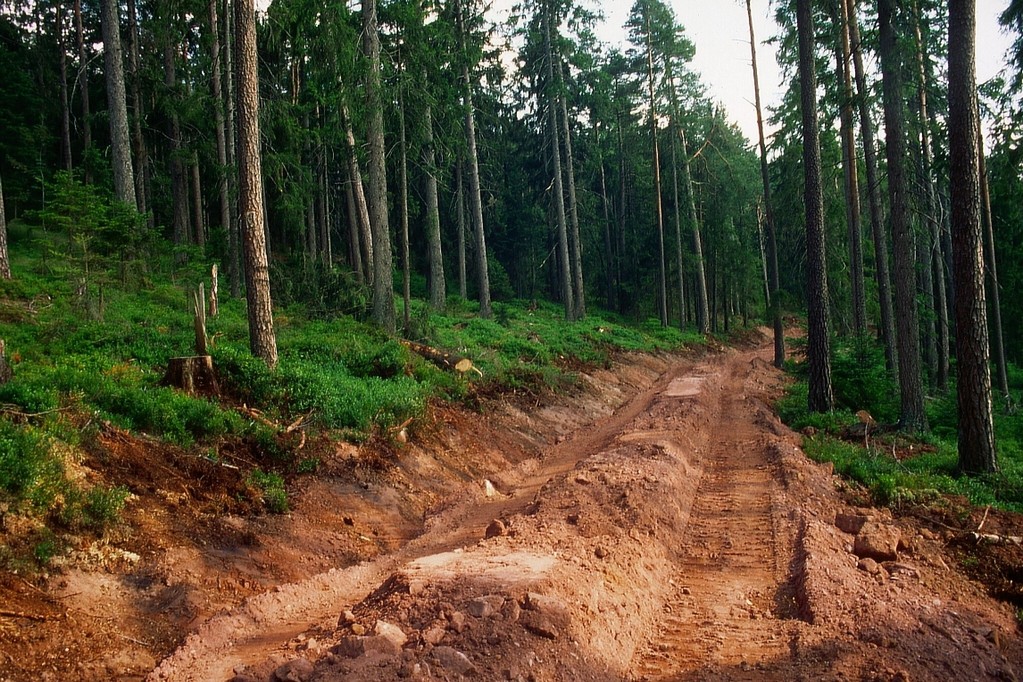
x=731, y=587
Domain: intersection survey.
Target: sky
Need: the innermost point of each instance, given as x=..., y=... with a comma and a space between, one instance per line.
x=720, y=31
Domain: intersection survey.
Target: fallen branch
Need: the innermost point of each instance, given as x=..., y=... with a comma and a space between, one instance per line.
x=992, y=539
x=24, y=616
x=443, y=359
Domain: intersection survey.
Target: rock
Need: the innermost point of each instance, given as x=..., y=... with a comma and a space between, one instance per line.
x=453, y=661
x=297, y=670
x=434, y=635
x=242, y=677
x=850, y=523
x=388, y=641
x=540, y=625
x=544, y=604
x=358, y=629
x=511, y=610
x=869, y=566
x=346, y=618
x=877, y=541
x=391, y=633
x=488, y=488
x=486, y=606
x=600, y=552
x=457, y=621
x=496, y=529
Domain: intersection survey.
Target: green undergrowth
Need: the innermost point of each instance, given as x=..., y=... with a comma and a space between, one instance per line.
x=900, y=468
x=89, y=330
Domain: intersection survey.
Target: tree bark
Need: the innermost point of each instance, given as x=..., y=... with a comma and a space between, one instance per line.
x=83, y=84
x=933, y=260
x=878, y=233
x=851, y=174
x=361, y=205
x=262, y=339
x=354, y=247
x=406, y=285
x=234, y=235
x=475, y=197
x=976, y=424
x=435, y=252
x=124, y=177
x=179, y=191
x=911, y=391
x=65, y=108
x=679, y=263
x=993, y=288
x=223, y=191
x=575, y=242
x=702, y=305
x=662, y=283
x=558, y=191
x=198, y=215
x=460, y=225
x=771, y=259
x=820, y=397
x=383, y=283
x=138, y=144
x=5, y=261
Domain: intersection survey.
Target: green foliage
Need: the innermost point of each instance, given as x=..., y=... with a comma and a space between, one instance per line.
x=271, y=488
x=28, y=469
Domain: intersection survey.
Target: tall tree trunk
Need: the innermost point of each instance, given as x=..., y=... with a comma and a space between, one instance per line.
x=435, y=253
x=234, y=233
x=976, y=424
x=354, y=247
x=323, y=208
x=851, y=174
x=124, y=177
x=362, y=206
x=662, y=282
x=679, y=264
x=383, y=282
x=406, y=286
x=610, y=279
x=179, y=192
x=933, y=234
x=138, y=144
x=198, y=215
x=993, y=288
x=558, y=193
x=262, y=339
x=702, y=306
x=911, y=390
x=475, y=197
x=83, y=84
x=578, y=289
x=880, y=237
x=774, y=281
x=65, y=108
x=460, y=225
x=5, y=260
x=223, y=191
x=818, y=352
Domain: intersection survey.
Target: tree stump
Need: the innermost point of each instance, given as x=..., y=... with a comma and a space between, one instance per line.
x=193, y=375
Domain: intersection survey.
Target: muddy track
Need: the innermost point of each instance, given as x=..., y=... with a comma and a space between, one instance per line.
x=683, y=537
x=731, y=601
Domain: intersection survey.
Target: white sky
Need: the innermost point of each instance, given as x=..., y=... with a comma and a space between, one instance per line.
x=720, y=31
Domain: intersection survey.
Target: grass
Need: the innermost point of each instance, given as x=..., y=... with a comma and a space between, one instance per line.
x=89, y=325
x=927, y=467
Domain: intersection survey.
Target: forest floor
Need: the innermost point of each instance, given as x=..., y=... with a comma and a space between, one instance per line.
x=658, y=522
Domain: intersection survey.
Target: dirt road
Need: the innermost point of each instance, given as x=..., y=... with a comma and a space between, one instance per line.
x=682, y=537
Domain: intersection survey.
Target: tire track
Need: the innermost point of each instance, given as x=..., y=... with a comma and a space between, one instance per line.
x=727, y=611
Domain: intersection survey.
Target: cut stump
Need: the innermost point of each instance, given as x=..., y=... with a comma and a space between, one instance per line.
x=193, y=374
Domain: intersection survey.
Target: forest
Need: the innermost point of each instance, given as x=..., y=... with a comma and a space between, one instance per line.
x=388, y=161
